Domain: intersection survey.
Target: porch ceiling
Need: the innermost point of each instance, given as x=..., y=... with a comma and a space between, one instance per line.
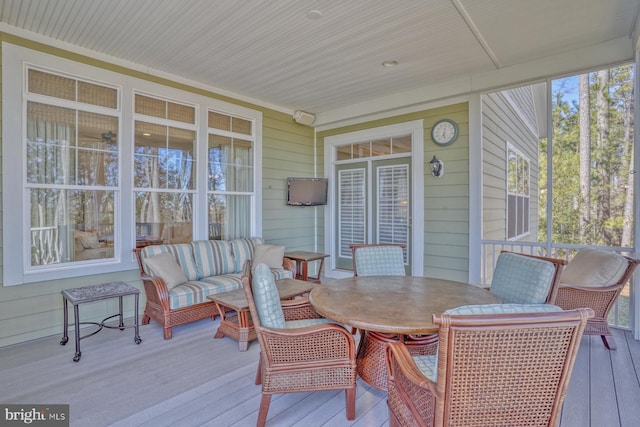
x=273, y=52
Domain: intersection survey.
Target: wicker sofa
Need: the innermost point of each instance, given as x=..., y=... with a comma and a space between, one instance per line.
x=178, y=278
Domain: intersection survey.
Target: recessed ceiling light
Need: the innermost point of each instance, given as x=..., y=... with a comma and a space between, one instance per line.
x=390, y=63
x=146, y=134
x=314, y=14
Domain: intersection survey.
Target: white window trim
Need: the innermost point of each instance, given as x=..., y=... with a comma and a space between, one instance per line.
x=416, y=129
x=519, y=153
x=14, y=59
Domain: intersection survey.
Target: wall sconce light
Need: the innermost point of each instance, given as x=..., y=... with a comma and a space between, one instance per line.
x=437, y=167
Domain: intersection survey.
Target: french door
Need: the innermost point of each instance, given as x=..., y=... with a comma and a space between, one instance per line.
x=373, y=205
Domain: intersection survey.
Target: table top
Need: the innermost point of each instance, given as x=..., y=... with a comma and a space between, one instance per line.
x=97, y=292
x=305, y=255
x=394, y=304
x=287, y=288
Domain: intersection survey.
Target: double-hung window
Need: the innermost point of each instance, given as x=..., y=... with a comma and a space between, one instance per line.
x=517, y=194
x=165, y=140
x=230, y=178
x=96, y=163
x=72, y=168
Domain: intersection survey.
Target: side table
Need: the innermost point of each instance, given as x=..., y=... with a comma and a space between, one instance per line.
x=77, y=296
x=302, y=259
x=235, y=320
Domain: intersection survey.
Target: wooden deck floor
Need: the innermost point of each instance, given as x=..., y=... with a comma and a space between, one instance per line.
x=194, y=380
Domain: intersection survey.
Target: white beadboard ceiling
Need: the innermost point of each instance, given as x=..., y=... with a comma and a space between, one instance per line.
x=272, y=52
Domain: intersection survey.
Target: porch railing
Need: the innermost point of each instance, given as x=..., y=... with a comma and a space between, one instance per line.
x=619, y=315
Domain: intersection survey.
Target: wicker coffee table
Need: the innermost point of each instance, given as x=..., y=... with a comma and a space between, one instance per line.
x=235, y=321
x=392, y=308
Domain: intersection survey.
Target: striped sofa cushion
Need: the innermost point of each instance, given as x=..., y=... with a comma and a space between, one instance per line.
x=197, y=291
x=243, y=250
x=182, y=252
x=213, y=257
x=281, y=273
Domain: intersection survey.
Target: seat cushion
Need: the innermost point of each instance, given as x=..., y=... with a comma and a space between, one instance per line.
x=594, y=267
x=428, y=365
x=197, y=291
x=243, y=250
x=267, y=298
x=291, y=324
x=213, y=257
x=379, y=261
x=520, y=279
x=503, y=309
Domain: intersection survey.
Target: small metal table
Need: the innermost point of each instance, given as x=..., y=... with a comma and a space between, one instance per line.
x=302, y=259
x=77, y=296
x=235, y=320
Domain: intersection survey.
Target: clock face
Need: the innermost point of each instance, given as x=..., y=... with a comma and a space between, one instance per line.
x=444, y=132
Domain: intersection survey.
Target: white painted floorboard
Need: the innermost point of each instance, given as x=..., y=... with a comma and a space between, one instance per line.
x=194, y=380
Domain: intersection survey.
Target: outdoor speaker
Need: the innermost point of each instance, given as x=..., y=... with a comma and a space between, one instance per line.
x=303, y=118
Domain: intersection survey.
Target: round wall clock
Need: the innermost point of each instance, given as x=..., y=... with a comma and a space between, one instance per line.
x=444, y=132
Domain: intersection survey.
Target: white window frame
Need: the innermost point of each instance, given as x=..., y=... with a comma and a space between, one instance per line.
x=519, y=216
x=14, y=60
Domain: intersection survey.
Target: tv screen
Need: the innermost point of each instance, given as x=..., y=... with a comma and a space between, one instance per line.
x=307, y=191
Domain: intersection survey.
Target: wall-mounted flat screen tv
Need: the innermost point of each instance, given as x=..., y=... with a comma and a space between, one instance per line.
x=307, y=191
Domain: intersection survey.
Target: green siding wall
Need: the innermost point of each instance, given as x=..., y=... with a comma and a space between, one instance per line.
x=501, y=124
x=34, y=310
x=446, y=212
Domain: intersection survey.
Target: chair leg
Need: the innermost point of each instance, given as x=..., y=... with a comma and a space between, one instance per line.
x=350, y=396
x=609, y=342
x=259, y=373
x=264, y=409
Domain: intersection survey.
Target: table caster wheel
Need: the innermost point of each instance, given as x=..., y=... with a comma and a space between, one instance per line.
x=76, y=358
x=64, y=340
x=138, y=340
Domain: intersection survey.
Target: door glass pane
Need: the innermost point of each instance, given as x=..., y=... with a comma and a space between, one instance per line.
x=393, y=204
x=351, y=209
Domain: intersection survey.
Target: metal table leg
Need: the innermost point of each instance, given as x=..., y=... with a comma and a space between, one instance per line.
x=76, y=316
x=65, y=333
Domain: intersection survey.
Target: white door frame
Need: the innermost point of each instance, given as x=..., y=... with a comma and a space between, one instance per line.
x=416, y=129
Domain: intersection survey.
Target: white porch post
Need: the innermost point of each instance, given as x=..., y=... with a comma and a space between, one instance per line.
x=475, y=188
x=635, y=288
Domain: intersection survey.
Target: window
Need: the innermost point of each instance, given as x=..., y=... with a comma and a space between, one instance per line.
x=104, y=162
x=517, y=194
x=72, y=168
x=164, y=170
x=230, y=180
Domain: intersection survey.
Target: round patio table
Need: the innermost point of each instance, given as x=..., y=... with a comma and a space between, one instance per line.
x=392, y=308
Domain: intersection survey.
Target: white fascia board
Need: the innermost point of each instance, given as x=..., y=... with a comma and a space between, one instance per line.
x=610, y=52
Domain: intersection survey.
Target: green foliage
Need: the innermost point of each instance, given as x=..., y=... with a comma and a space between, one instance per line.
x=611, y=155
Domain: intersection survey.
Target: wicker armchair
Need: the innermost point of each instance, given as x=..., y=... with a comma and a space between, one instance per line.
x=490, y=370
x=526, y=279
x=299, y=350
x=588, y=282
x=378, y=259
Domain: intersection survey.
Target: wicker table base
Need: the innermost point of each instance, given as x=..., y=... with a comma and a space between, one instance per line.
x=371, y=359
